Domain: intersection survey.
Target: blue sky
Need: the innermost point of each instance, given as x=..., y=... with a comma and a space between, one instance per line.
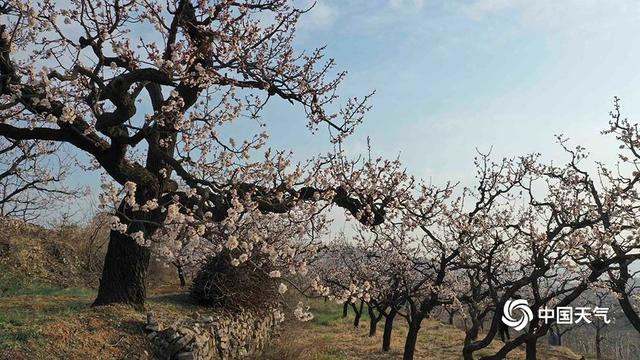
x=452, y=76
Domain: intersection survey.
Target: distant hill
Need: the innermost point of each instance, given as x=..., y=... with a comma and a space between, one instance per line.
x=36, y=256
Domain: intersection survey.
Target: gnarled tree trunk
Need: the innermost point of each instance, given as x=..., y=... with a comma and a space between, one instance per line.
x=124, y=273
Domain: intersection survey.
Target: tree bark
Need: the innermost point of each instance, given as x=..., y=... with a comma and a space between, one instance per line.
x=124, y=272
x=373, y=321
x=356, y=320
x=504, y=332
x=412, y=340
x=467, y=354
x=345, y=309
x=183, y=282
x=531, y=349
x=475, y=330
x=373, y=325
x=628, y=310
x=598, y=344
x=388, y=328
x=470, y=336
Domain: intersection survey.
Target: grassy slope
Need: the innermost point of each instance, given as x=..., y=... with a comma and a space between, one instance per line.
x=66, y=327
x=41, y=321
x=329, y=337
x=39, y=257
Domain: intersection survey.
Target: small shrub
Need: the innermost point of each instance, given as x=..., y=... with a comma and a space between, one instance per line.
x=219, y=284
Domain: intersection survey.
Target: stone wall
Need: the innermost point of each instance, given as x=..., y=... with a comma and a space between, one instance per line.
x=222, y=336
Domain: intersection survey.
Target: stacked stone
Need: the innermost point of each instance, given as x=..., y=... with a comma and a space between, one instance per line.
x=219, y=337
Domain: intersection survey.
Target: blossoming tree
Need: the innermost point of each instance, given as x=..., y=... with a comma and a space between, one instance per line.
x=31, y=181
x=144, y=88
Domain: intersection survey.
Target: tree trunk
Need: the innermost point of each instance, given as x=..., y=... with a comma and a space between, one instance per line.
x=345, y=309
x=623, y=296
x=504, y=332
x=474, y=331
x=373, y=325
x=598, y=344
x=629, y=311
x=373, y=321
x=183, y=282
x=124, y=272
x=470, y=336
x=356, y=320
x=412, y=340
x=467, y=354
x=451, y=314
x=388, y=328
x=531, y=349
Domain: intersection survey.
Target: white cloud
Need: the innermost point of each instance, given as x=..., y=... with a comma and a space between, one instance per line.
x=553, y=15
x=321, y=16
x=412, y=4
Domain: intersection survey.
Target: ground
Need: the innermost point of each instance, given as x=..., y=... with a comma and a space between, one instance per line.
x=45, y=313
x=61, y=324
x=330, y=337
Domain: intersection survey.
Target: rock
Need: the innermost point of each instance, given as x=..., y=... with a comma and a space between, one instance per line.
x=184, y=331
x=152, y=325
x=185, y=356
x=224, y=345
x=181, y=343
x=223, y=336
x=152, y=328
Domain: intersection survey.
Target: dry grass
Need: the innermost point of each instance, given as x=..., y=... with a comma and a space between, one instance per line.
x=45, y=303
x=40, y=320
x=329, y=337
x=66, y=327
x=48, y=261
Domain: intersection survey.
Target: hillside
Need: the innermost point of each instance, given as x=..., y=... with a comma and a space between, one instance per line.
x=45, y=313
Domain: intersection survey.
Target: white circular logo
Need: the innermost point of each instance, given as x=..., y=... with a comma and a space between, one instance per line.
x=508, y=314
